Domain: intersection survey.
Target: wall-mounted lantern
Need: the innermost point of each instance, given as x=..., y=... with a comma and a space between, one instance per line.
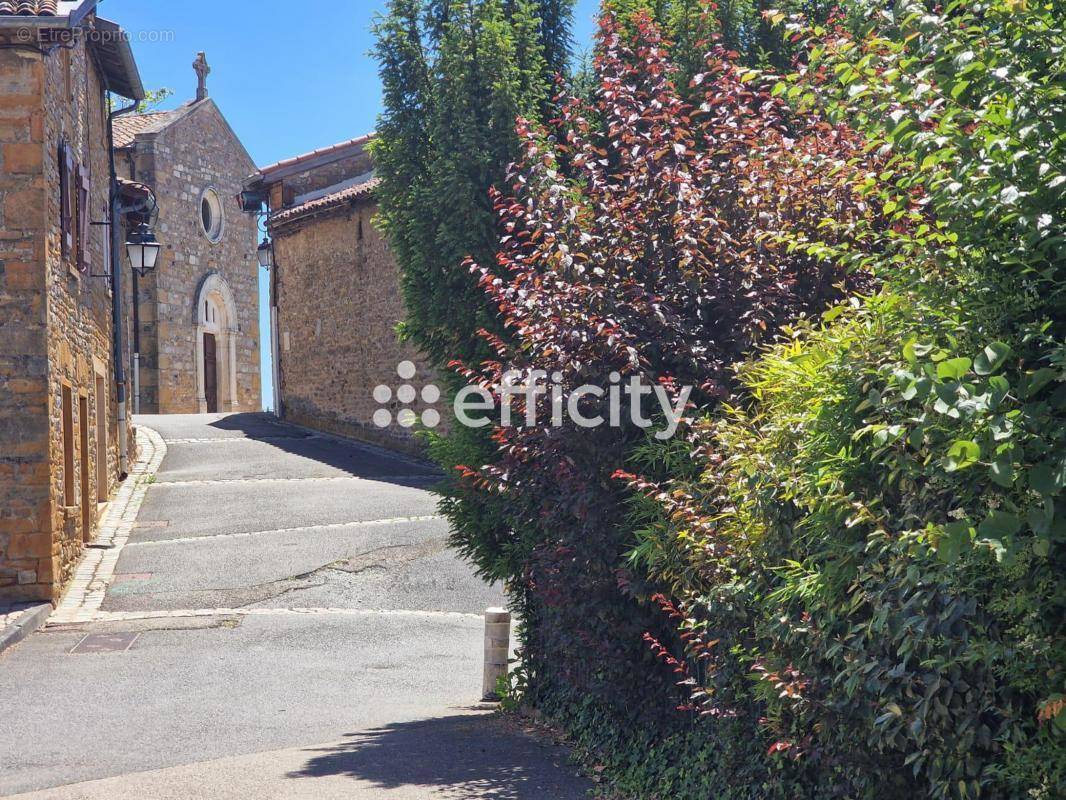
x=265, y=254
x=143, y=249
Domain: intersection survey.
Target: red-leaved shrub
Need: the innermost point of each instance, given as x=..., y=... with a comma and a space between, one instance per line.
x=639, y=239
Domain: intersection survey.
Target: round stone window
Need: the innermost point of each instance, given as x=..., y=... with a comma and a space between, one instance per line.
x=211, y=218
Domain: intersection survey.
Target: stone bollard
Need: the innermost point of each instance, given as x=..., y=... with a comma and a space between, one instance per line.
x=497, y=650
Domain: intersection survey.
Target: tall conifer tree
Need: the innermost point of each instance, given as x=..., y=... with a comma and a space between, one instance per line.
x=456, y=74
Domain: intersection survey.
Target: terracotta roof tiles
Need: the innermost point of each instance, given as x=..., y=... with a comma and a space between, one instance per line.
x=127, y=127
x=29, y=8
x=351, y=194
x=323, y=151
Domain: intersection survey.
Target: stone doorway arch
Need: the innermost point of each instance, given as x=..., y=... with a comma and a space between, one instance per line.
x=215, y=315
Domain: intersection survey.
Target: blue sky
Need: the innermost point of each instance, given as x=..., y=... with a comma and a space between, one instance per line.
x=290, y=77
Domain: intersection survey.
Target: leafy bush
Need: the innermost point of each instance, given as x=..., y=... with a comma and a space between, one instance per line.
x=844, y=579
x=870, y=561
x=635, y=245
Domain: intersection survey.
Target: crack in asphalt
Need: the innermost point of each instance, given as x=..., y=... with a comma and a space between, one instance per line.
x=385, y=558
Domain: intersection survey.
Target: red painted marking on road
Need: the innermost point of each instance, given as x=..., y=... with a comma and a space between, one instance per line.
x=131, y=576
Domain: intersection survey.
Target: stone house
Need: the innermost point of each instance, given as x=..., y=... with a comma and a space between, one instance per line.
x=195, y=327
x=336, y=300
x=63, y=436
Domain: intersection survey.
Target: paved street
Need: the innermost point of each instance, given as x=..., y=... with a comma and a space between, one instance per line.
x=285, y=620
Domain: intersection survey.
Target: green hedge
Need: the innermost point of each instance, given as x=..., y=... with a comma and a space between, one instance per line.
x=877, y=572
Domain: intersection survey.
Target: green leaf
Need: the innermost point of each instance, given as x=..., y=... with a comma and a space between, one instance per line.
x=917, y=389
x=959, y=88
x=916, y=438
x=957, y=536
x=991, y=358
x=912, y=351
x=999, y=525
x=953, y=369
x=1035, y=381
x=1003, y=471
x=1048, y=478
x=833, y=313
x=947, y=399
x=902, y=128
x=1040, y=518
x=998, y=389
x=962, y=454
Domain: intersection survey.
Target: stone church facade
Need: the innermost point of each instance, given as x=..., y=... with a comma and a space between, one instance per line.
x=198, y=314
x=336, y=298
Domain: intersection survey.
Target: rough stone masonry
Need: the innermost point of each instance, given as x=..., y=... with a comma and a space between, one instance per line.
x=207, y=280
x=59, y=437
x=338, y=299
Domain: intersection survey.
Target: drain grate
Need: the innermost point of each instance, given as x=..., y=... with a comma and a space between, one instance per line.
x=105, y=643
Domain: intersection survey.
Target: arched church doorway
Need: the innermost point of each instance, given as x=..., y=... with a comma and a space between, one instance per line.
x=216, y=346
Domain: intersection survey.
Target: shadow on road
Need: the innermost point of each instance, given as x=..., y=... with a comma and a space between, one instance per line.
x=461, y=756
x=356, y=458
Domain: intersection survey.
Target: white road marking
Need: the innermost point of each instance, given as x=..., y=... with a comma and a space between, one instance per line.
x=226, y=439
x=82, y=601
x=367, y=479
x=301, y=529
x=132, y=616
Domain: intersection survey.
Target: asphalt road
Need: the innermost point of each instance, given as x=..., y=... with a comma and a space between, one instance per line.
x=335, y=651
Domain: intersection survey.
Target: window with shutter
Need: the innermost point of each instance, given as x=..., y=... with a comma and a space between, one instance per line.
x=66, y=199
x=84, y=220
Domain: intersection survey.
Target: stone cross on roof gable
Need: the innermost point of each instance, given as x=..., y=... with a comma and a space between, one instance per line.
x=202, y=71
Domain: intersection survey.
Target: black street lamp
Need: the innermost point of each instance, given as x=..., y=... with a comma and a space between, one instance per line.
x=143, y=249
x=265, y=254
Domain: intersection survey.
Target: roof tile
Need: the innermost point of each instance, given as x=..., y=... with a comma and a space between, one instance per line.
x=29, y=8
x=127, y=127
x=336, y=148
x=348, y=195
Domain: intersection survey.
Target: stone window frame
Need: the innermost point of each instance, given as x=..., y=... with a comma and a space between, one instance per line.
x=209, y=194
x=66, y=415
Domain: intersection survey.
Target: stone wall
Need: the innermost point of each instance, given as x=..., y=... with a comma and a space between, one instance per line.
x=25, y=474
x=55, y=332
x=196, y=152
x=338, y=307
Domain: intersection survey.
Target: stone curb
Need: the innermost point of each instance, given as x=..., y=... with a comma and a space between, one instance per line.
x=94, y=573
x=30, y=620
